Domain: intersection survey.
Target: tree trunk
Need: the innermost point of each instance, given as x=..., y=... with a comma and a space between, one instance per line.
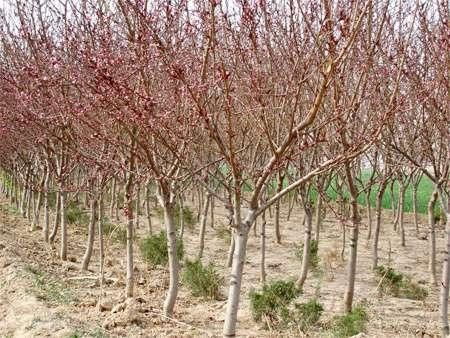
x=129, y=214
x=306, y=248
x=101, y=212
x=355, y=219
x=379, y=211
x=318, y=217
x=231, y=250
x=414, y=201
x=401, y=214
x=240, y=238
x=369, y=216
x=148, y=209
x=63, y=251
x=212, y=211
x=91, y=236
x=203, y=220
x=46, y=205
x=277, y=209
x=57, y=217
x=138, y=204
x=181, y=205
x=113, y=198
x=432, y=237
x=263, y=249
x=445, y=271
x=172, y=293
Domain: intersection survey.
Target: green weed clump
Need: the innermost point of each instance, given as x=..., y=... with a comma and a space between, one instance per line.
x=154, y=249
x=203, y=281
x=351, y=323
x=75, y=215
x=398, y=284
x=314, y=258
x=224, y=233
x=304, y=316
x=271, y=304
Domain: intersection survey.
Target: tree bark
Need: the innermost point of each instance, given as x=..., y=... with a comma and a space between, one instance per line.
x=277, y=209
x=148, y=209
x=203, y=220
x=306, y=248
x=63, y=251
x=263, y=249
x=318, y=216
x=369, y=215
x=401, y=213
x=445, y=203
x=416, y=216
x=91, y=236
x=101, y=212
x=57, y=217
x=379, y=211
x=432, y=237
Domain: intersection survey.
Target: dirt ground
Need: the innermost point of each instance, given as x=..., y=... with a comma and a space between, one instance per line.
x=43, y=297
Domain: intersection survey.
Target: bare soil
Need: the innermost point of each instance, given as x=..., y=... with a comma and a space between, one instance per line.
x=40, y=296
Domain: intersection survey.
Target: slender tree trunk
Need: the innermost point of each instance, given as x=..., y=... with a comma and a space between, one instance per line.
x=172, y=293
x=369, y=215
x=400, y=213
x=212, y=211
x=129, y=214
x=445, y=203
x=306, y=248
x=318, y=217
x=355, y=219
x=231, y=250
x=101, y=213
x=414, y=201
x=203, y=220
x=379, y=211
x=181, y=205
x=138, y=204
x=57, y=217
x=291, y=203
x=113, y=198
x=277, y=209
x=46, y=205
x=148, y=209
x=91, y=236
x=63, y=251
x=432, y=237
x=263, y=249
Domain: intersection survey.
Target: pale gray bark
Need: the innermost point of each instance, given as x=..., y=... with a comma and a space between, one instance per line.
x=376, y=236
x=203, y=219
x=63, y=251
x=306, y=248
x=91, y=236
x=432, y=237
x=57, y=220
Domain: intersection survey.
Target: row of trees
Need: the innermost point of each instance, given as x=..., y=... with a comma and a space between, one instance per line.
x=226, y=97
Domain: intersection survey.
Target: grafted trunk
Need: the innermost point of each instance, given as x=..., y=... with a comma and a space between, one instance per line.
x=63, y=251
x=376, y=237
x=306, y=248
x=174, y=268
x=203, y=220
x=432, y=237
x=91, y=235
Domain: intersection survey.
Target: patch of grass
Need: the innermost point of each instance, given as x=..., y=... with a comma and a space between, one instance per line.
x=154, y=249
x=304, y=316
x=270, y=305
x=351, y=323
x=47, y=289
x=116, y=232
x=203, y=281
x=224, y=233
x=76, y=215
x=314, y=258
x=398, y=284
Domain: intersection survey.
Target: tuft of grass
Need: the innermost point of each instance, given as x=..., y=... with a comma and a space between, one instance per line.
x=398, y=284
x=351, y=323
x=224, y=233
x=75, y=215
x=304, y=316
x=48, y=289
x=203, y=281
x=154, y=249
x=314, y=258
x=270, y=304
x=116, y=232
